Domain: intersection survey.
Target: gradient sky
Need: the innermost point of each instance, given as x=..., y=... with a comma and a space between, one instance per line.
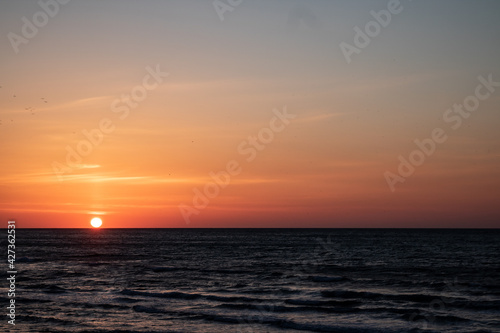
x=325, y=169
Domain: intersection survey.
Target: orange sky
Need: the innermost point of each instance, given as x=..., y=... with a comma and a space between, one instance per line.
x=228, y=82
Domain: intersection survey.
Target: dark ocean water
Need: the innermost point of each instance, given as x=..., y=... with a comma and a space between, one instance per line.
x=267, y=280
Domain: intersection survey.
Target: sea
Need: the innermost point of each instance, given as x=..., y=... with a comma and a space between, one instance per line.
x=254, y=280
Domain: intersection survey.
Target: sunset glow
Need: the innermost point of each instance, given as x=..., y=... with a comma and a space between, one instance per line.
x=183, y=120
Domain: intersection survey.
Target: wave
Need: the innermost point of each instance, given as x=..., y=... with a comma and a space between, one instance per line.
x=267, y=291
x=48, y=288
x=87, y=305
x=25, y=260
x=255, y=326
x=162, y=269
x=350, y=294
x=228, y=271
x=436, y=319
x=146, y=309
x=170, y=294
x=189, y=296
x=322, y=303
x=291, y=324
x=47, y=320
x=327, y=278
x=32, y=300
x=372, y=296
x=231, y=298
x=286, y=309
x=126, y=300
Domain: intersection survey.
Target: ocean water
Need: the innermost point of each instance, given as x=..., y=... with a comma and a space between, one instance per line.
x=264, y=280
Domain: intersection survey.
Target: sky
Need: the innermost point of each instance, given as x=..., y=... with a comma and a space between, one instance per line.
x=203, y=114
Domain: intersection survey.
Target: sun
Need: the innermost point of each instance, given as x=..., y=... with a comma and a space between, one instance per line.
x=96, y=222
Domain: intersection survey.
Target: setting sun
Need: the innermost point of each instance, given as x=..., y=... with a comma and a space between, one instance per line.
x=96, y=222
